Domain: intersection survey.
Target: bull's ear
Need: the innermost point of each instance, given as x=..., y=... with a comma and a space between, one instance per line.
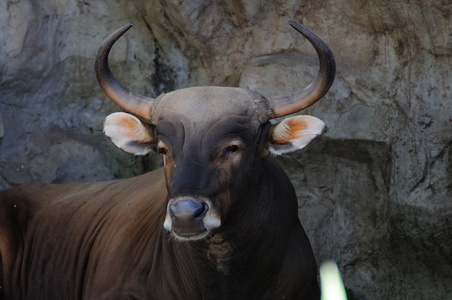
x=294, y=133
x=129, y=133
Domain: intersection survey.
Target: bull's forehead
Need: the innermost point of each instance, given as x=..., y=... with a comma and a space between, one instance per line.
x=205, y=104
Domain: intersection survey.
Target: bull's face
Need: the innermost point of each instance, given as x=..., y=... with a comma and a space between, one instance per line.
x=211, y=139
x=204, y=146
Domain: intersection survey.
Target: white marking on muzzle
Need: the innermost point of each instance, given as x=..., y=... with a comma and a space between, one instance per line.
x=210, y=221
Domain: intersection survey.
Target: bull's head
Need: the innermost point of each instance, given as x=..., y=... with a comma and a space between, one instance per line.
x=211, y=138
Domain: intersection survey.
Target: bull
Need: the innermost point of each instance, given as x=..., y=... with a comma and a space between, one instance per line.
x=217, y=221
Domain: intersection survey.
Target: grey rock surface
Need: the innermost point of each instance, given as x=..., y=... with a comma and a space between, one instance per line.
x=374, y=192
x=2, y=128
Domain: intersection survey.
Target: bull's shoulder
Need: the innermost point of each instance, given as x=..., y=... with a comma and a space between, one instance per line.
x=30, y=201
x=17, y=205
x=38, y=194
x=79, y=226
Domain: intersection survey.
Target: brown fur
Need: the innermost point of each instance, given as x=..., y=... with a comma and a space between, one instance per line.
x=106, y=241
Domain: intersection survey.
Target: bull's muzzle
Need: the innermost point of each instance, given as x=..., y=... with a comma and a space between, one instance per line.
x=187, y=213
x=190, y=218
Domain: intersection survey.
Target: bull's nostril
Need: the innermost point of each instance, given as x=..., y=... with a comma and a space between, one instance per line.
x=201, y=212
x=187, y=210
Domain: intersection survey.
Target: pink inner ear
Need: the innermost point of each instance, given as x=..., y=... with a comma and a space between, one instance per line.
x=127, y=122
x=129, y=133
x=280, y=133
x=125, y=126
x=296, y=127
x=294, y=133
x=288, y=130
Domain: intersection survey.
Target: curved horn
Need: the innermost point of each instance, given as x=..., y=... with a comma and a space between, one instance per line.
x=131, y=102
x=288, y=104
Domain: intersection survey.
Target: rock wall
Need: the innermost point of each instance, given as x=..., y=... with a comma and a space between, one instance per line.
x=2, y=129
x=374, y=191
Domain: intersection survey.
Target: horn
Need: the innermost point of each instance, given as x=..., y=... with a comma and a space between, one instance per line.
x=128, y=100
x=287, y=104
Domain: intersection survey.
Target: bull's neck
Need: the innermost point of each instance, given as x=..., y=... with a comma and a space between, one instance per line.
x=266, y=209
x=258, y=224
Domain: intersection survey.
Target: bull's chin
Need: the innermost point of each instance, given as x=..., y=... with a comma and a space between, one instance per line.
x=192, y=236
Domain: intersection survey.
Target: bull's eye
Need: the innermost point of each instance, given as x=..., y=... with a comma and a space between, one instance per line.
x=161, y=148
x=231, y=148
x=162, y=151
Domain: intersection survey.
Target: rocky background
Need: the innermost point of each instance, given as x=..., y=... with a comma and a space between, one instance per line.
x=374, y=191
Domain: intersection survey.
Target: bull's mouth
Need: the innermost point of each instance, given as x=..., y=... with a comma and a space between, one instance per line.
x=191, y=218
x=189, y=236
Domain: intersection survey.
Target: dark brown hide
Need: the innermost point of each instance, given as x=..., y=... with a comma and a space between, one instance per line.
x=106, y=241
